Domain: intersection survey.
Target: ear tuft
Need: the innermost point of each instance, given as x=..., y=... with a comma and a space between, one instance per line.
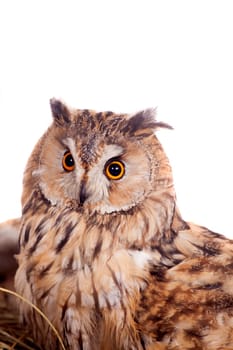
x=144, y=123
x=60, y=112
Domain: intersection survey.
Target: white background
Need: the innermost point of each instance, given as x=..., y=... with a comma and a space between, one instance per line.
x=125, y=56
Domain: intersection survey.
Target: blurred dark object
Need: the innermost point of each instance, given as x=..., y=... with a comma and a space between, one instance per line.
x=9, y=232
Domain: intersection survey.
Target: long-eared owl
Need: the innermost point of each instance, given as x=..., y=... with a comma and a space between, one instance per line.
x=104, y=252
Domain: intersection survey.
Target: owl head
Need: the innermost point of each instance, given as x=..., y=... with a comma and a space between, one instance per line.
x=101, y=162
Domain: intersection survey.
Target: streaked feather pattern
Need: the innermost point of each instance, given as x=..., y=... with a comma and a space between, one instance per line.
x=112, y=263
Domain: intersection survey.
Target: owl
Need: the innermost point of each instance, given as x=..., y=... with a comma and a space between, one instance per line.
x=104, y=251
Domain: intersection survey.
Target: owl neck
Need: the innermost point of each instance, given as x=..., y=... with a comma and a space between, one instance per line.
x=153, y=226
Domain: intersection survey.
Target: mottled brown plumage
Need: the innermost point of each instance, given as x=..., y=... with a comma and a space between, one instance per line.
x=190, y=305
x=110, y=261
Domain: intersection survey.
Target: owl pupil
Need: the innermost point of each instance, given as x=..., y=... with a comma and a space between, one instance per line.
x=69, y=160
x=114, y=169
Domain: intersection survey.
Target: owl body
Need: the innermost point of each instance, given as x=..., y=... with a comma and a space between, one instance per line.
x=104, y=252
x=85, y=238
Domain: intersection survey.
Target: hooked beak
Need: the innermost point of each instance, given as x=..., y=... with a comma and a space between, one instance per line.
x=83, y=193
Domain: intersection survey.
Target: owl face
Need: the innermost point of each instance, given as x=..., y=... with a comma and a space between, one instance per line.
x=101, y=162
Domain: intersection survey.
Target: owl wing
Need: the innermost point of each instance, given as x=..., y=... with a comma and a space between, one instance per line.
x=190, y=306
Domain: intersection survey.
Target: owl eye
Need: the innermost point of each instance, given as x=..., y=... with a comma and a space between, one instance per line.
x=68, y=162
x=114, y=170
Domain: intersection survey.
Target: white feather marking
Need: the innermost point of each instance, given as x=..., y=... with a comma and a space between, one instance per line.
x=112, y=298
x=141, y=258
x=38, y=172
x=87, y=300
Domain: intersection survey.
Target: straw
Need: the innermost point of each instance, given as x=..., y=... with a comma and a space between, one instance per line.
x=12, y=335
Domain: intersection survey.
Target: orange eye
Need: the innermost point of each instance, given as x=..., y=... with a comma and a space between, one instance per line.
x=68, y=162
x=114, y=170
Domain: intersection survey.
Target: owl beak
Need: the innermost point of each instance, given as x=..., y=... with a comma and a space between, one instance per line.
x=83, y=193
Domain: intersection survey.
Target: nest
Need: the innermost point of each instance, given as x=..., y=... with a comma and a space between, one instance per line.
x=13, y=335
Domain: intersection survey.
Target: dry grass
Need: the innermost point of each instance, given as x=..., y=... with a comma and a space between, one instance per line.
x=12, y=334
